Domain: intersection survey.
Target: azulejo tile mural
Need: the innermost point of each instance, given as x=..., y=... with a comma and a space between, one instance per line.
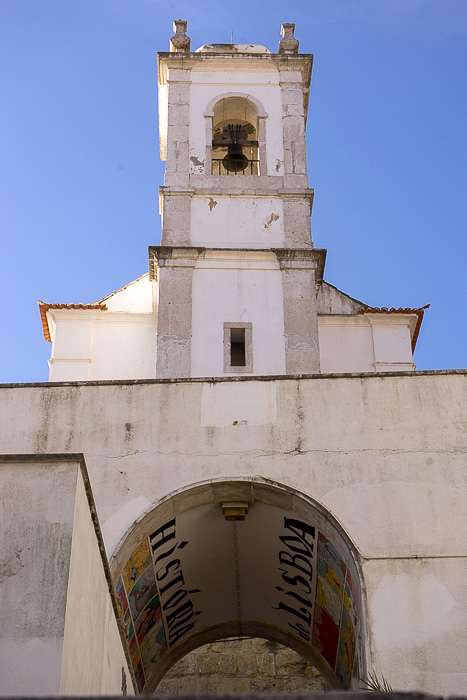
x=168, y=588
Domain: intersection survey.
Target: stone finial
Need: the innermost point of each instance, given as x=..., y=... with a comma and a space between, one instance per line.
x=289, y=44
x=180, y=42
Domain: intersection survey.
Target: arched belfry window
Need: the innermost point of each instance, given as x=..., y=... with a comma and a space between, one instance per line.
x=235, y=136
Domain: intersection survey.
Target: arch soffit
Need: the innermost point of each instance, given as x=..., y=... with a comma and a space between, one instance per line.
x=260, y=111
x=211, y=491
x=185, y=518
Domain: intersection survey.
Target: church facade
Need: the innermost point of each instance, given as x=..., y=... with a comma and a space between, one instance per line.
x=229, y=446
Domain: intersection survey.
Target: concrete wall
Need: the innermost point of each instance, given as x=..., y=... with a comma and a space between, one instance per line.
x=94, y=661
x=384, y=453
x=58, y=628
x=37, y=503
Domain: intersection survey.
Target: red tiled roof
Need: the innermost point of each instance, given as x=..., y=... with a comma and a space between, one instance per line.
x=385, y=310
x=45, y=307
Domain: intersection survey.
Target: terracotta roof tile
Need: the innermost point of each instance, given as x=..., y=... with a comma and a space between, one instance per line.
x=385, y=310
x=43, y=307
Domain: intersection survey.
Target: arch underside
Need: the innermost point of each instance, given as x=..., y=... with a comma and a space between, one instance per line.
x=185, y=576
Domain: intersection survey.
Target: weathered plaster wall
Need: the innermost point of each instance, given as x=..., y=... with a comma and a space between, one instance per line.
x=242, y=222
x=384, y=453
x=93, y=658
x=36, y=514
x=58, y=629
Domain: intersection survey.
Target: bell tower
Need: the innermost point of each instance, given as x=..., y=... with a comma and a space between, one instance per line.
x=237, y=271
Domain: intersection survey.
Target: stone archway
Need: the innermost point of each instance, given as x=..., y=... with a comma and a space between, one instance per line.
x=240, y=558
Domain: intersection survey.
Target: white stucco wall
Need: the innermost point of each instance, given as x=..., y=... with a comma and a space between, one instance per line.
x=119, y=343
x=366, y=343
x=244, y=288
x=93, y=657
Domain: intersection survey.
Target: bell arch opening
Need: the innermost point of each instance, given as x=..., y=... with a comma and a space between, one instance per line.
x=249, y=558
x=235, y=133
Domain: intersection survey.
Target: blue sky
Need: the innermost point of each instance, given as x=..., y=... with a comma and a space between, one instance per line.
x=80, y=167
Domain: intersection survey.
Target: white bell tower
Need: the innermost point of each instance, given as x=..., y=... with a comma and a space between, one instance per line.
x=237, y=271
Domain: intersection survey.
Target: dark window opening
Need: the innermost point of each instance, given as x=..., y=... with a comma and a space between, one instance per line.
x=237, y=347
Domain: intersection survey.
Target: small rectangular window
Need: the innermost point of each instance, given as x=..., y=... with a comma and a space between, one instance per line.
x=238, y=349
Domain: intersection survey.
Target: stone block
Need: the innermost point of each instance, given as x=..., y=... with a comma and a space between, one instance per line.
x=247, y=663
x=216, y=663
x=176, y=219
x=180, y=319
x=300, y=156
x=289, y=663
x=301, y=354
x=163, y=317
x=302, y=684
x=183, y=667
x=265, y=663
x=175, y=236
x=288, y=158
x=178, y=116
x=293, y=129
x=179, y=75
x=173, y=356
x=294, y=182
x=293, y=77
x=275, y=684
x=231, y=646
x=292, y=95
x=168, y=686
x=175, y=284
x=178, y=133
x=192, y=685
x=228, y=685
x=179, y=93
x=293, y=109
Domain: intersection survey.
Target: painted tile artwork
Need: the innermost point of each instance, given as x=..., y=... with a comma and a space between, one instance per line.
x=336, y=618
x=121, y=598
x=345, y=657
x=142, y=592
x=329, y=599
x=140, y=609
x=137, y=563
x=325, y=635
x=154, y=645
x=334, y=625
x=149, y=617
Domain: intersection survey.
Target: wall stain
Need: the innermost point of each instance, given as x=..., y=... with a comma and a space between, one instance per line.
x=196, y=161
x=272, y=218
